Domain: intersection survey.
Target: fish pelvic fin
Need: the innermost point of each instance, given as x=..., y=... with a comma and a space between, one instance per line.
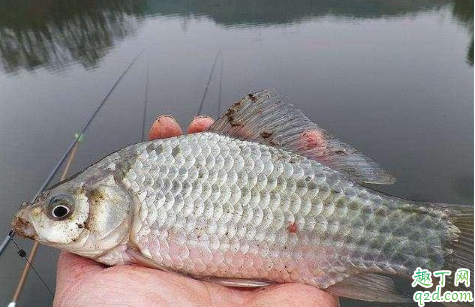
x=238, y=282
x=265, y=117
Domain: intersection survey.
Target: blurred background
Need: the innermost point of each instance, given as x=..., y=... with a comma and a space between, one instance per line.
x=392, y=78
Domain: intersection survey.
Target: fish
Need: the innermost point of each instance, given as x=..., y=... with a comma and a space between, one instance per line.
x=265, y=196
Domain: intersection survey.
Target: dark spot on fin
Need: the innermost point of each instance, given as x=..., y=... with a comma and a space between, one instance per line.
x=266, y=118
x=230, y=117
x=266, y=134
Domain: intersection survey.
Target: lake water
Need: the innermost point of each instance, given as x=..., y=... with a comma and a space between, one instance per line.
x=393, y=78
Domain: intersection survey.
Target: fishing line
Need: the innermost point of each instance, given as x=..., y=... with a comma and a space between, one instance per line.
x=220, y=85
x=145, y=102
x=10, y=235
x=21, y=252
x=207, y=83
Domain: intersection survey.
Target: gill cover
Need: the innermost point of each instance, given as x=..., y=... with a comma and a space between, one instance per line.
x=110, y=205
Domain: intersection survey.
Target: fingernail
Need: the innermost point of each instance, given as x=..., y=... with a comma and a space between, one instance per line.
x=200, y=123
x=165, y=126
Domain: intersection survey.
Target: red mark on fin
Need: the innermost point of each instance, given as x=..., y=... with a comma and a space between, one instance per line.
x=292, y=228
x=312, y=139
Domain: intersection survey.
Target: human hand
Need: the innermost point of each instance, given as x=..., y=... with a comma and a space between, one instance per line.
x=84, y=282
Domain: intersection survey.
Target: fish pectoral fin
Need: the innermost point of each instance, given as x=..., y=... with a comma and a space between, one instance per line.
x=140, y=259
x=265, y=117
x=238, y=282
x=369, y=287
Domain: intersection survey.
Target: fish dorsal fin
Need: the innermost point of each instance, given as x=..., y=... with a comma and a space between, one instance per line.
x=266, y=118
x=369, y=287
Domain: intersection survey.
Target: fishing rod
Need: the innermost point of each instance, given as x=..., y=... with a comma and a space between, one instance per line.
x=34, y=249
x=207, y=83
x=70, y=151
x=10, y=234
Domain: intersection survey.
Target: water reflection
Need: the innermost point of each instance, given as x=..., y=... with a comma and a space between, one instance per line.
x=264, y=12
x=51, y=34
x=463, y=12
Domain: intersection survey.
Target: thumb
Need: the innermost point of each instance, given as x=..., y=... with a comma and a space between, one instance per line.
x=72, y=269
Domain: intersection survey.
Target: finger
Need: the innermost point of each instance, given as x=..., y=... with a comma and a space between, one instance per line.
x=73, y=268
x=200, y=123
x=164, y=126
x=292, y=295
x=139, y=286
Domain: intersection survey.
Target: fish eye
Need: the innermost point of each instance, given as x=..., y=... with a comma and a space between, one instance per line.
x=60, y=211
x=60, y=207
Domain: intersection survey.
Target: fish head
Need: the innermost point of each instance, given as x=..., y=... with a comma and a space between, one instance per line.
x=86, y=216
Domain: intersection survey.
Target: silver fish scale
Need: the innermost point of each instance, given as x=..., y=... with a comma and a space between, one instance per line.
x=211, y=205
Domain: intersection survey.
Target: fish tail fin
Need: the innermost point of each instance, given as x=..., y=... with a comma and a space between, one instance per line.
x=461, y=247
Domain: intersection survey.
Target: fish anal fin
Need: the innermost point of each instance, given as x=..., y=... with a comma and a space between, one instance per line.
x=266, y=118
x=238, y=282
x=369, y=287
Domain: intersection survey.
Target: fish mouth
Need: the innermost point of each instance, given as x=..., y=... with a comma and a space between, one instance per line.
x=23, y=227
